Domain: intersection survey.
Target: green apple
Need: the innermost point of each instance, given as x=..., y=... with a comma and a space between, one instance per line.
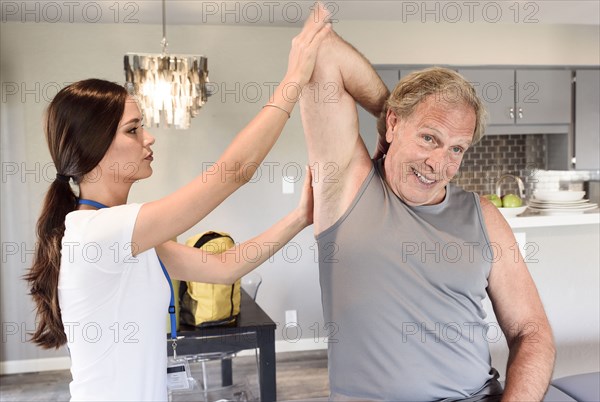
x=511, y=201
x=494, y=199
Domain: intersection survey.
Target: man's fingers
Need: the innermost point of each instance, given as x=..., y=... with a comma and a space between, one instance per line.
x=319, y=16
x=320, y=36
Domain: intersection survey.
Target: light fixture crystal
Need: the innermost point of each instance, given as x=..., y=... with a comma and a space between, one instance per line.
x=170, y=88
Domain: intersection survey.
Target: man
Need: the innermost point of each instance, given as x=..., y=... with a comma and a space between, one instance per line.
x=407, y=258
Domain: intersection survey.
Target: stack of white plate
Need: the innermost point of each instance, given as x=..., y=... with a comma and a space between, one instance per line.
x=560, y=202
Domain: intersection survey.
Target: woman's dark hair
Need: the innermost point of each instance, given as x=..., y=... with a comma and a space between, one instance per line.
x=80, y=124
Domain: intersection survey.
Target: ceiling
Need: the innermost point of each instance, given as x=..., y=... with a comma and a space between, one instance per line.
x=290, y=13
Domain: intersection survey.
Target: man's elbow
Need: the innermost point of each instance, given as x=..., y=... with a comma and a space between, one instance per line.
x=551, y=346
x=541, y=338
x=548, y=340
x=329, y=59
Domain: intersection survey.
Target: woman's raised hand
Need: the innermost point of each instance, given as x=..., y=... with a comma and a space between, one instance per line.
x=305, y=45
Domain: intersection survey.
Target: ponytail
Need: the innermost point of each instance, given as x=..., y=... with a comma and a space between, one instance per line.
x=81, y=123
x=43, y=276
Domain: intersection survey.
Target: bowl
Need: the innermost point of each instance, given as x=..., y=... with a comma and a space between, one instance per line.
x=512, y=212
x=558, y=196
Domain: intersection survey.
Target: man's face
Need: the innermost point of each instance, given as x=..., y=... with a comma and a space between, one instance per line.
x=426, y=149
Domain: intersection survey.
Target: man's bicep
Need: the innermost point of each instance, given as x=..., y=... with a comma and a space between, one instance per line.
x=513, y=293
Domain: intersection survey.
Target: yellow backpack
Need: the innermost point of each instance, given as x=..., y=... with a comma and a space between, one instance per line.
x=208, y=304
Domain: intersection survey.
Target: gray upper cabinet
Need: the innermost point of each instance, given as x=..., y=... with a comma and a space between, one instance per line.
x=587, y=119
x=527, y=101
x=390, y=78
x=543, y=96
x=496, y=89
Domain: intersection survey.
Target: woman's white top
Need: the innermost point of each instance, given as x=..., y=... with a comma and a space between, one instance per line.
x=113, y=308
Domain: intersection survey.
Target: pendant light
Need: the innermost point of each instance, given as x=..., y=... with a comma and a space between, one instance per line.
x=171, y=89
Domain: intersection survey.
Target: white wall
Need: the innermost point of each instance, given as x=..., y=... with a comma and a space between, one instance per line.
x=38, y=58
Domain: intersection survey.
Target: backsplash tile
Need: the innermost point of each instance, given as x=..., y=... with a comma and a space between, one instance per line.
x=497, y=155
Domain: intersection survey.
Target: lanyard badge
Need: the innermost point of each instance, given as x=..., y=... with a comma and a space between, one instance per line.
x=179, y=376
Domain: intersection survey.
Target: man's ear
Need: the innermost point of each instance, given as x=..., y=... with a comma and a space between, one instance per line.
x=391, y=121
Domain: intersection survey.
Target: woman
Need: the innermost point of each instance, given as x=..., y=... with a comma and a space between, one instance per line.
x=96, y=279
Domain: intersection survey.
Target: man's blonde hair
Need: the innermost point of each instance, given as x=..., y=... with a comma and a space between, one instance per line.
x=446, y=85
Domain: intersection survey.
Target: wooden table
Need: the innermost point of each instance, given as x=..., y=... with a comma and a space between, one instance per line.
x=252, y=329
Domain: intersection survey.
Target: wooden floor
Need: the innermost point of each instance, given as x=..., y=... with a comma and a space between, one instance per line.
x=300, y=376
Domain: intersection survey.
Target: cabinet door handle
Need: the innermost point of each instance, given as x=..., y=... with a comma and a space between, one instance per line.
x=511, y=112
x=520, y=113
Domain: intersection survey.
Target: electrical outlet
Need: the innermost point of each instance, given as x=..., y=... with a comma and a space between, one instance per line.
x=291, y=318
x=287, y=185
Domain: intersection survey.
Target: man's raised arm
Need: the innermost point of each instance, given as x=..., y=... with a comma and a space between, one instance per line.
x=336, y=152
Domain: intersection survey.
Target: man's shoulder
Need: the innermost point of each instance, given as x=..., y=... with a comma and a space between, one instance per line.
x=494, y=221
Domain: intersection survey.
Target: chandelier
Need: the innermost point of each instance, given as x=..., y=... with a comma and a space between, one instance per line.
x=170, y=88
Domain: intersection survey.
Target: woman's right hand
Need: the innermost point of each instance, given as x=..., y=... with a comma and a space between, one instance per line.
x=305, y=45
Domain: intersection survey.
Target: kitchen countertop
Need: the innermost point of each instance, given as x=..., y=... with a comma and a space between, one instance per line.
x=535, y=220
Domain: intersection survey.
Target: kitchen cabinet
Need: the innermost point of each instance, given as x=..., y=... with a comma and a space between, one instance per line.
x=580, y=148
x=496, y=89
x=524, y=101
x=587, y=120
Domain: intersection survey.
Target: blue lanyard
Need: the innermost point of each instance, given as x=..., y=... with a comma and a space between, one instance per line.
x=172, y=303
x=92, y=203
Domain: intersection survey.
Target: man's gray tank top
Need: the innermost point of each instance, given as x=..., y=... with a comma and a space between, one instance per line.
x=402, y=290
